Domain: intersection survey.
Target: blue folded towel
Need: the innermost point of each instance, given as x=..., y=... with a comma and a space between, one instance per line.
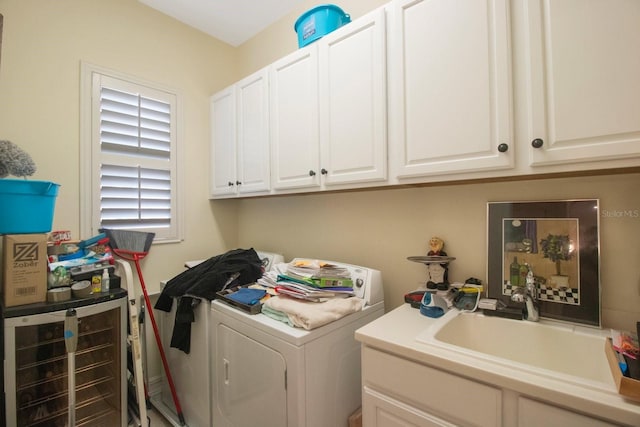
x=247, y=296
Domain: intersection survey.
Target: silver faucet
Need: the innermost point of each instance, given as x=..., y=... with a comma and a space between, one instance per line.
x=529, y=295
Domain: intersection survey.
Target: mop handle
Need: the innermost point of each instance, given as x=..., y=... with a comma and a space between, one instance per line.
x=71, y=343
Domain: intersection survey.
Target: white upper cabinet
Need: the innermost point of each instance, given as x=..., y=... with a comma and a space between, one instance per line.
x=450, y=87
x=295, y=138
x=583, y=81
x=353, y=112
x=240, y=138
x=223, y=143
x=253, y=133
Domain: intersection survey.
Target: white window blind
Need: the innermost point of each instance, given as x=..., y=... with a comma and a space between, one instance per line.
x=133, y=157
x=131, y=125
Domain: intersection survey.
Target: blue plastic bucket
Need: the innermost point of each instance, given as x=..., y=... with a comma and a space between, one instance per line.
x=27, y=206
x=319, y=21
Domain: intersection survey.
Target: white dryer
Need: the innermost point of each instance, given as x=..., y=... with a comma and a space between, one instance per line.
x=269, y=374
x=191, y=372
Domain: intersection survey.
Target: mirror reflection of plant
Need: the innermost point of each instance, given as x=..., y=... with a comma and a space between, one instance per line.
x=557, y=247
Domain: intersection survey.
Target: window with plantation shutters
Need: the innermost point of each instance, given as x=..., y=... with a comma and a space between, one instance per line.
x=133, y=156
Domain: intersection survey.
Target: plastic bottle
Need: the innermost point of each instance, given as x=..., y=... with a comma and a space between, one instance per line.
x=96, y=284
x=514, y=272
x=105, y=281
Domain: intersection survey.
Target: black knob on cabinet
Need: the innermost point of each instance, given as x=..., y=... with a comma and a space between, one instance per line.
x=238, y=183
x=230, y=184
x=537, y=143
x=323, y=171
x=312, y=173
x=503, y=148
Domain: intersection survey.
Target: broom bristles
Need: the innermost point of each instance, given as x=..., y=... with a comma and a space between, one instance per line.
x=129, y=240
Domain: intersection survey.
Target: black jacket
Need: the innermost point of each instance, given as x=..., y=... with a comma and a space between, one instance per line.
x=202, y=282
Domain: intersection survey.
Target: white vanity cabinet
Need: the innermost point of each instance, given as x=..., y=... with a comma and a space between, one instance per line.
x=409, y=383
x=450, y=87
x=582, y=94
x=240, y=138
x=398, y=392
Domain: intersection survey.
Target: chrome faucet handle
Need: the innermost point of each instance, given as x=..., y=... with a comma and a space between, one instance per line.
x=519, y=294
x=531, y=286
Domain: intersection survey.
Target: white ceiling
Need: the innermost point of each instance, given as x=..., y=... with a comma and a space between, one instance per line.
x=232, y=21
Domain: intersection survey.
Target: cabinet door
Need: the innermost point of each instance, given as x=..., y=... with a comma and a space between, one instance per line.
x=295, y=140
x=353, y=101
x=223, y=143
x=583, y=92
x=450, y=87
x=533, y=414
x=253, y=133
x=380, y=410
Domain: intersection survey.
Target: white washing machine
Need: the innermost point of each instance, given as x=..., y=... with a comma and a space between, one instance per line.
x=191, y=373
x=269, y=374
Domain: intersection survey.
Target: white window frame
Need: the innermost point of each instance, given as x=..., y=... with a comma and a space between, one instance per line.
x=91, y=80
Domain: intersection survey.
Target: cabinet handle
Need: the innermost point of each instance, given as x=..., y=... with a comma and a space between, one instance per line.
x=225, y=363
x=230, y=184
x=503, y=148
x=537, y=143
x=238, y=183
x=312, y=173
x=323, y=171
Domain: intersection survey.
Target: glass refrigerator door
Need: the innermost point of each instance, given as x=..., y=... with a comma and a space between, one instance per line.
x=37, y=361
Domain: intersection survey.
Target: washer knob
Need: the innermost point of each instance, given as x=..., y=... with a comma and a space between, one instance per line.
x=359, y=282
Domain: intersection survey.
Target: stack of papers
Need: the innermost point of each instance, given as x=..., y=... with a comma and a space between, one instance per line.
x=320, y=274
x=314, y=281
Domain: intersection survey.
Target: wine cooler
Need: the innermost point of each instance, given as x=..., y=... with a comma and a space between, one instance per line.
x=38, y=363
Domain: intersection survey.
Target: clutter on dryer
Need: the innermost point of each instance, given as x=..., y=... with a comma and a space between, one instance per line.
x=310, y=293
x=234, y=268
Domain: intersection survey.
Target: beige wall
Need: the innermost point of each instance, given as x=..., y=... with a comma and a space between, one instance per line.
x=380, y=229
x=44, y=43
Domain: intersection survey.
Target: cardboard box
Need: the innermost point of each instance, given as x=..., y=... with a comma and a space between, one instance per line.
x=628, y=387
x=24, y=269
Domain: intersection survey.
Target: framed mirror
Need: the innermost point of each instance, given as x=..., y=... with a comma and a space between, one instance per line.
x=559, y=241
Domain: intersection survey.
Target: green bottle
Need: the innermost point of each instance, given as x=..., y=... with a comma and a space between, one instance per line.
x=514, y=272
x=523, y=274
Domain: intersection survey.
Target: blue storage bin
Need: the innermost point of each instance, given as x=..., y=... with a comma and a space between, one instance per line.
x=319, y=21
x=27, y=206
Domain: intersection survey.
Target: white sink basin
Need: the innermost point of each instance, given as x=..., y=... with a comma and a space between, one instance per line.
x=544, y=348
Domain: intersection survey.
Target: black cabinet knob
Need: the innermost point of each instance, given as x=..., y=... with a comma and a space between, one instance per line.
x=323, y=171
x=537, y=143
x=312, y=173
x=503, y=148
x=238, y=183
x=230, y=184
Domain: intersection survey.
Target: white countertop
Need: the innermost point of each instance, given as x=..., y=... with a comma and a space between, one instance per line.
x=395, y=333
